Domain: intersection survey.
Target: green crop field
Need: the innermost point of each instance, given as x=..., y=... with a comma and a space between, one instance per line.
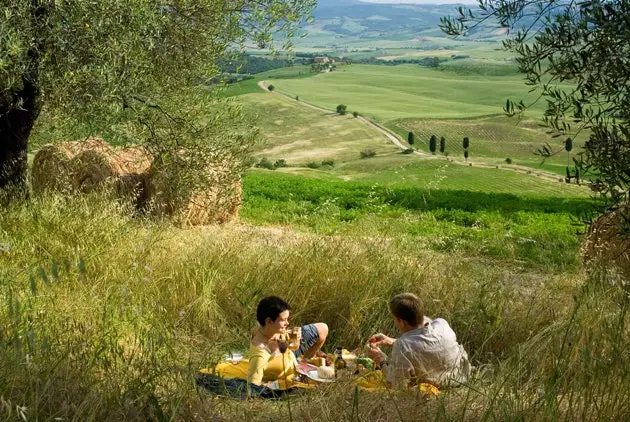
x=402, y=169
x=497, y=137
x=409, y=91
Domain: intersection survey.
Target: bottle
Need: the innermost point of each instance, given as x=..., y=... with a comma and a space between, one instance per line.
x=341, y=366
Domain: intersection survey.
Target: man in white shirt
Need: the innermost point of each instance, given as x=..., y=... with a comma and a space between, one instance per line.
x=427, y=351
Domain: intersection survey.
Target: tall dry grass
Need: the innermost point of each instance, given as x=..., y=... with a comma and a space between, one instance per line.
x=108, y=318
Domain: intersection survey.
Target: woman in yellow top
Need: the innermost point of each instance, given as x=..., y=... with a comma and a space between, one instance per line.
x=266, y=361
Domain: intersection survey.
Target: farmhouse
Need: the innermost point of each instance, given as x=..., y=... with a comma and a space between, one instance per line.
x=323, y=59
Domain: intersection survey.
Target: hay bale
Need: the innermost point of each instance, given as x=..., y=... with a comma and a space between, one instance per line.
x=52, y=169
x=136, y=187
x=83, y=166
x=604, y=246
x=90, y=170
x=216, y=203
x=80, y=166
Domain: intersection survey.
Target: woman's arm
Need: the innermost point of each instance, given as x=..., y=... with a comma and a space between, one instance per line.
x=257, y=360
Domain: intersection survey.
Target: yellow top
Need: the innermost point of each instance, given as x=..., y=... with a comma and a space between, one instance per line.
x=263, y=366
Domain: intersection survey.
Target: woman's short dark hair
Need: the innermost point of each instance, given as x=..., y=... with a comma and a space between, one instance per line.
x=270, y=307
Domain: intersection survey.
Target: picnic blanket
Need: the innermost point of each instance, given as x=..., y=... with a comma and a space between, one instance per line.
x=228, y=379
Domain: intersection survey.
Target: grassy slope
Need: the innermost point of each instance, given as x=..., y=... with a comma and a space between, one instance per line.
x=300, y=134
x=407, y=91
x=494, y=137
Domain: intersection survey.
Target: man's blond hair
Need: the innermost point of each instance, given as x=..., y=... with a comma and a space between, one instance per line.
x=407, y=307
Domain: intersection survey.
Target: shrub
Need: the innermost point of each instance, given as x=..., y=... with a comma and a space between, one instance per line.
x=328, y=162
x=271, y=87
x=355, y=113
x=408, y=151
x=508, y=161
x=280, y=163
x=297, y=98
x=341, y=109
x=313, y=165
x=266, y=163
x=368, y=153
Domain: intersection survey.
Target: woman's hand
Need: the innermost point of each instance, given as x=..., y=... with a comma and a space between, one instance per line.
x=380, y=339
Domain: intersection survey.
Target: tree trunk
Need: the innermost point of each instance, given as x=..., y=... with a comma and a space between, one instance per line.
x=17, y=117
x=15, y=128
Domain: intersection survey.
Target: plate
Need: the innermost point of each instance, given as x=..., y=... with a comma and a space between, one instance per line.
x=313, y=375
x=304, y=368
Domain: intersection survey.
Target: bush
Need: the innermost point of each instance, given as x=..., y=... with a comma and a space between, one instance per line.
x=313, y=165
x=408, y=151
x=271, y=87
x=297, y=98
x=266, y=163
x=368, y=153
x=280, y=163
x=508, y=161
x=328, y=162
x=355, y=113
x=341, y=109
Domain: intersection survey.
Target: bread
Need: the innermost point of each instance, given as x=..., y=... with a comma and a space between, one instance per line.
x=326, y=372
x=347, y=355
x=317, y=361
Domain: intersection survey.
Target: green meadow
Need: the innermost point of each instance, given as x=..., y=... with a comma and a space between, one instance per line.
x=408, y=91
x=107, y=314
x=299, y=134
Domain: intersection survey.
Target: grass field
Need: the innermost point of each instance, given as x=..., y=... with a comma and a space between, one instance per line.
x=494, y=137
x=446, y=219
x=409, y=91
x=107, y=317
x=106, y=314
x=300, y=134
x=399, y=169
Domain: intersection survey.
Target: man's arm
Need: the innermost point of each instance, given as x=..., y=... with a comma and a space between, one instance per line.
x=381, y=339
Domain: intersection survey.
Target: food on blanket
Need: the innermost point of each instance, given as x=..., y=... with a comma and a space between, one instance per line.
x=317, y=361
x=347, y=355
x=326, y=372
x=367, y=363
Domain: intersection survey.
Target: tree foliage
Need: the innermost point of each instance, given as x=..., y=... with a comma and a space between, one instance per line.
x=442, y=145
x=433, y=144
x=99, y=67
x=411, y=138
x=341, y=109
x=575, y=55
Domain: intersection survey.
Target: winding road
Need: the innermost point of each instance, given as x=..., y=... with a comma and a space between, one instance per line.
x=402, y=145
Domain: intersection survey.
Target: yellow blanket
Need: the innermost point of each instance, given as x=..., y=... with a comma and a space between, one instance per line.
x=230, y=370
x=370, y=381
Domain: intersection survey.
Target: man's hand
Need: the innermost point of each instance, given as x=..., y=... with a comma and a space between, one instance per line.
x=377, y=355
x=381, y=339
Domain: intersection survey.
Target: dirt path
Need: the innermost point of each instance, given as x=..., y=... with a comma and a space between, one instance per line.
x=402, y=144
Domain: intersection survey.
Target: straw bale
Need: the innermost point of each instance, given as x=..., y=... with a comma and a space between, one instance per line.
x=604, y=246
x=135, y=186
x=82, y=165
x=218, y=202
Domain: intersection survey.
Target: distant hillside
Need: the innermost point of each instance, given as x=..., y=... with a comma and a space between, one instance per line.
x=339, y=22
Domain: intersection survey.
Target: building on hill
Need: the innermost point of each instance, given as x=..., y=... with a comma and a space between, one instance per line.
x=323, y=59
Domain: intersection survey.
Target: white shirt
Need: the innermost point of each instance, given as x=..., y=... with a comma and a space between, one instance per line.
x=428, y=354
